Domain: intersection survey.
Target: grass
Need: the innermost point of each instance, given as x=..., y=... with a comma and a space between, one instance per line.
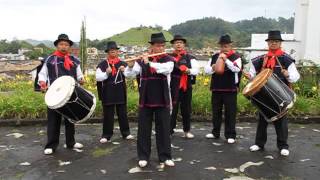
x=19, y=101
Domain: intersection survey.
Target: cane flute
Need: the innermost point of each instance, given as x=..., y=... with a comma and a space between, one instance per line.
x=149, y=55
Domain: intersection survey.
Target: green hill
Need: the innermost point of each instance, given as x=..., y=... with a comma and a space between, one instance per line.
x=205, y=32
x=134, y=36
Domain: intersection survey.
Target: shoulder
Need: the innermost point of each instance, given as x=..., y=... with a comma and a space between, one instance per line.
x=168, y=58
x=190, y=56
x=75, y=59
x=288, y=58
x=215, y=56
x=235, y=56
x=257, y=59
x=49, y=58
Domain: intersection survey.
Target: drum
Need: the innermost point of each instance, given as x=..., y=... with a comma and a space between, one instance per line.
x=270, y=95
x=70, y=100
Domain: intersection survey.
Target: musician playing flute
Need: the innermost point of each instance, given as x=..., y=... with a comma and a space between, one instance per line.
x=112, y=92
x=60, y=63
x=225, y=68
x=284, y=67
x=154, y=101
x=185, y=69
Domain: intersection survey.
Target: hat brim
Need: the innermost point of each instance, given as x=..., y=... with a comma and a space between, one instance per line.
x=107, y=50
x=274, y=39
x=226, y=42
x=160, y=41
x=59, y=40
x=181, y=39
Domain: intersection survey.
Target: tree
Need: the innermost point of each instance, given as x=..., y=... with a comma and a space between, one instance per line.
x=83, y=47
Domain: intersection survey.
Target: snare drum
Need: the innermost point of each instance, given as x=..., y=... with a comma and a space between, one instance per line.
x=70, y=100
x=270, y=95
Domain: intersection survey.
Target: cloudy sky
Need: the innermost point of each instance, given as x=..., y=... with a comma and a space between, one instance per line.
x=44, y=19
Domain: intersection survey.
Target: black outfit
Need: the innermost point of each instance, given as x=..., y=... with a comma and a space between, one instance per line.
x=224, y=94
x=180, y=97
x=154, y=103
x=113, y=94
x=281, y=125
x=56, y=69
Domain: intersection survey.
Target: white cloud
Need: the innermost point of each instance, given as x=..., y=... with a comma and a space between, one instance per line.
x=44, y=19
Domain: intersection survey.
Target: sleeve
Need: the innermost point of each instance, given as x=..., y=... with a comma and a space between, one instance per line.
x=234, y=66
x=163, y=68
x=79, y=73
x=294, y=75
x=252, y=70
x=101, y=76
x=208, y=68
x=43, y=74
x=132, y=72
x=195, y=68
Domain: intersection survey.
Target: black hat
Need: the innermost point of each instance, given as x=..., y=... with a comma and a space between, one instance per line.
x=178, y=37
x=111, y=45
x=225, y=39
x=274, y=35
x=157, y=38
x=63, y=37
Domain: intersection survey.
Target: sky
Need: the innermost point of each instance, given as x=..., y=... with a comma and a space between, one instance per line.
x=44, y=19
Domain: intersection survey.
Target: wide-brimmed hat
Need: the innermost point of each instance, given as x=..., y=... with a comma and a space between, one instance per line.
x=63, y=37
x=274, y=35
x=178, y=37
x=157, y=38
x=225, y=39
x=111, y=45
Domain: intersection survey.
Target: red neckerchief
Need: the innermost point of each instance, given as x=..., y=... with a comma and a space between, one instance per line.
x=271, y=58
x=179, y=54
x=67, y=60
x=113, y=62
x=183, y=68
x=155, y=59
x=230, y=53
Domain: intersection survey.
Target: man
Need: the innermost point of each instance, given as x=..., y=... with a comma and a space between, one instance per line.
x=183, y=75
x=60, y=63
x=154, y=101
x=288, y=73
x=225, y=68
x=112, y=92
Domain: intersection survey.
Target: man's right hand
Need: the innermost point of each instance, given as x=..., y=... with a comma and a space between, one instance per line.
x=43, y=86
x=109, y=70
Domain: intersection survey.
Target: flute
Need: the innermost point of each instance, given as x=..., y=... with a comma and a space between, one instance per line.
x=139, y=57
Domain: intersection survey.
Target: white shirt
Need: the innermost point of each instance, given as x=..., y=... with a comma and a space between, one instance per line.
x=234, y=66
x=44, y=76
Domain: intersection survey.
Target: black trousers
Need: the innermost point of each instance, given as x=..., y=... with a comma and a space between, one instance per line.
x=184, y=101
x=108, y=120
x=53, y=130
x=162, y=127
x=281, y=127
x=228, y=100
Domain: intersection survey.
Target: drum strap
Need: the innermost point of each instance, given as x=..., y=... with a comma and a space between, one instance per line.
x=56, y=66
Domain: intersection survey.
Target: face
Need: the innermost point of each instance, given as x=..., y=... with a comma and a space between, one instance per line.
x=63, y=46
x=113, y=52
x=274, y=44
x=179, y=45
x=158, y=47
x=225, y=47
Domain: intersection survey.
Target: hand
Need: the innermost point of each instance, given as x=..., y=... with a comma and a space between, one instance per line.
x=130, y=64
x=122, y=68
x=145, y=58
x=43, y=86
x=188, y=71
x=247, y=75
x=213, y=67
x=81, y=81
x=109, y=70
x=285, y=73
x=223, y=56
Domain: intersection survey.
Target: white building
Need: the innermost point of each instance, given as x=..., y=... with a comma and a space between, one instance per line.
x=304, y=43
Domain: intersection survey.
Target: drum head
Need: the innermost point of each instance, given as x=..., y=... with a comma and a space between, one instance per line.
x=257, y=83
x=60, y=92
